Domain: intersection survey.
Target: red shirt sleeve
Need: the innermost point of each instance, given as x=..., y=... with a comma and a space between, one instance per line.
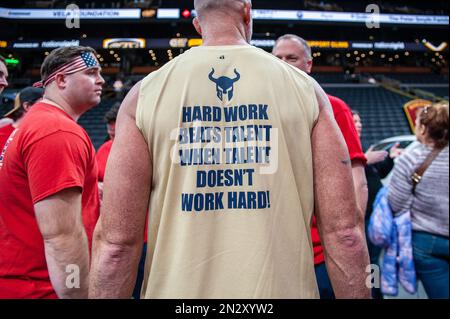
x=56, y=162
x=344, y=119
x=317, y=245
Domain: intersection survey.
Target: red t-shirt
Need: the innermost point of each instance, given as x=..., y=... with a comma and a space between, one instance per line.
x=102, y=158
x=344, y=119
x=49, y=152
x=5, y=132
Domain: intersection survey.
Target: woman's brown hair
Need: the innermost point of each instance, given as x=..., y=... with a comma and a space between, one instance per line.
x=435, y=120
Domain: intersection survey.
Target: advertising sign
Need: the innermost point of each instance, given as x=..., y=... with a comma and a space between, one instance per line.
x=98, y=14
x=124, y=43
x=411, y=109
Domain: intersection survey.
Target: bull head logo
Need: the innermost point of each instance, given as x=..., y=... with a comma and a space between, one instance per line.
x=224, y=85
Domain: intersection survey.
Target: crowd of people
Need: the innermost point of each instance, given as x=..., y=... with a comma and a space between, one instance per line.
x=251, y=180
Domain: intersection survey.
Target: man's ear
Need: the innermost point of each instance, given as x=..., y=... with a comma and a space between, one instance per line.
x=248, y=13
x=60, y=80
x=309, y=65
x=26, y=106
x=197, y=26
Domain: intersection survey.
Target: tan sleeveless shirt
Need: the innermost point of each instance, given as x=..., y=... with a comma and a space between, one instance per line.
x=229, y=133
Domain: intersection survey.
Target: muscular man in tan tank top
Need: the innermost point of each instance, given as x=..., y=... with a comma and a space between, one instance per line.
x=231, y=150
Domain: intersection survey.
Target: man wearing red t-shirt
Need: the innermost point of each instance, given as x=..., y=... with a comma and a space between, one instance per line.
x=48, y=178
x=296, y=51
x=103, y=151
x=23, y=102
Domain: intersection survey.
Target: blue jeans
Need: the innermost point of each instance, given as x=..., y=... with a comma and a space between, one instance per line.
x=140, y=274
x=323, y=282
x=374, y=255
x=431, y=263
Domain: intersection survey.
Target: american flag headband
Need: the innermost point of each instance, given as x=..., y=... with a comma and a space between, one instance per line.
x=85, y=61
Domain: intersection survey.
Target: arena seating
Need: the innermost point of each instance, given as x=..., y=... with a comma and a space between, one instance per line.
x=381, y=110
x=418, y=78
x=94, y=124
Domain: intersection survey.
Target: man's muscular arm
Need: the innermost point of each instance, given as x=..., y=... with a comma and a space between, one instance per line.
x=361, y=190
x=65, y=240
x=336, y=209
x=118, y=236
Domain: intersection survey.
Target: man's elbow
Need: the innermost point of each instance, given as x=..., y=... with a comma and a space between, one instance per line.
x=60, y=237
x=350, y=237
x=117, y=247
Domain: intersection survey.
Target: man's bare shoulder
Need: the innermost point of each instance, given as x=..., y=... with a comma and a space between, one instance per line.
x=129, y=104
x=322, y=97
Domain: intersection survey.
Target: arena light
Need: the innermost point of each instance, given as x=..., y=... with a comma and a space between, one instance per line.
x=432, y=47
x=186, y=14
x=11, y=61
x=148, y=13
x=194, y=42
x=178, y=42
x=124, y=43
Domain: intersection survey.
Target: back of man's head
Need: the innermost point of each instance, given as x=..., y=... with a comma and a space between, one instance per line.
x=23, y=101
x=59, y=57
x=205, y=7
